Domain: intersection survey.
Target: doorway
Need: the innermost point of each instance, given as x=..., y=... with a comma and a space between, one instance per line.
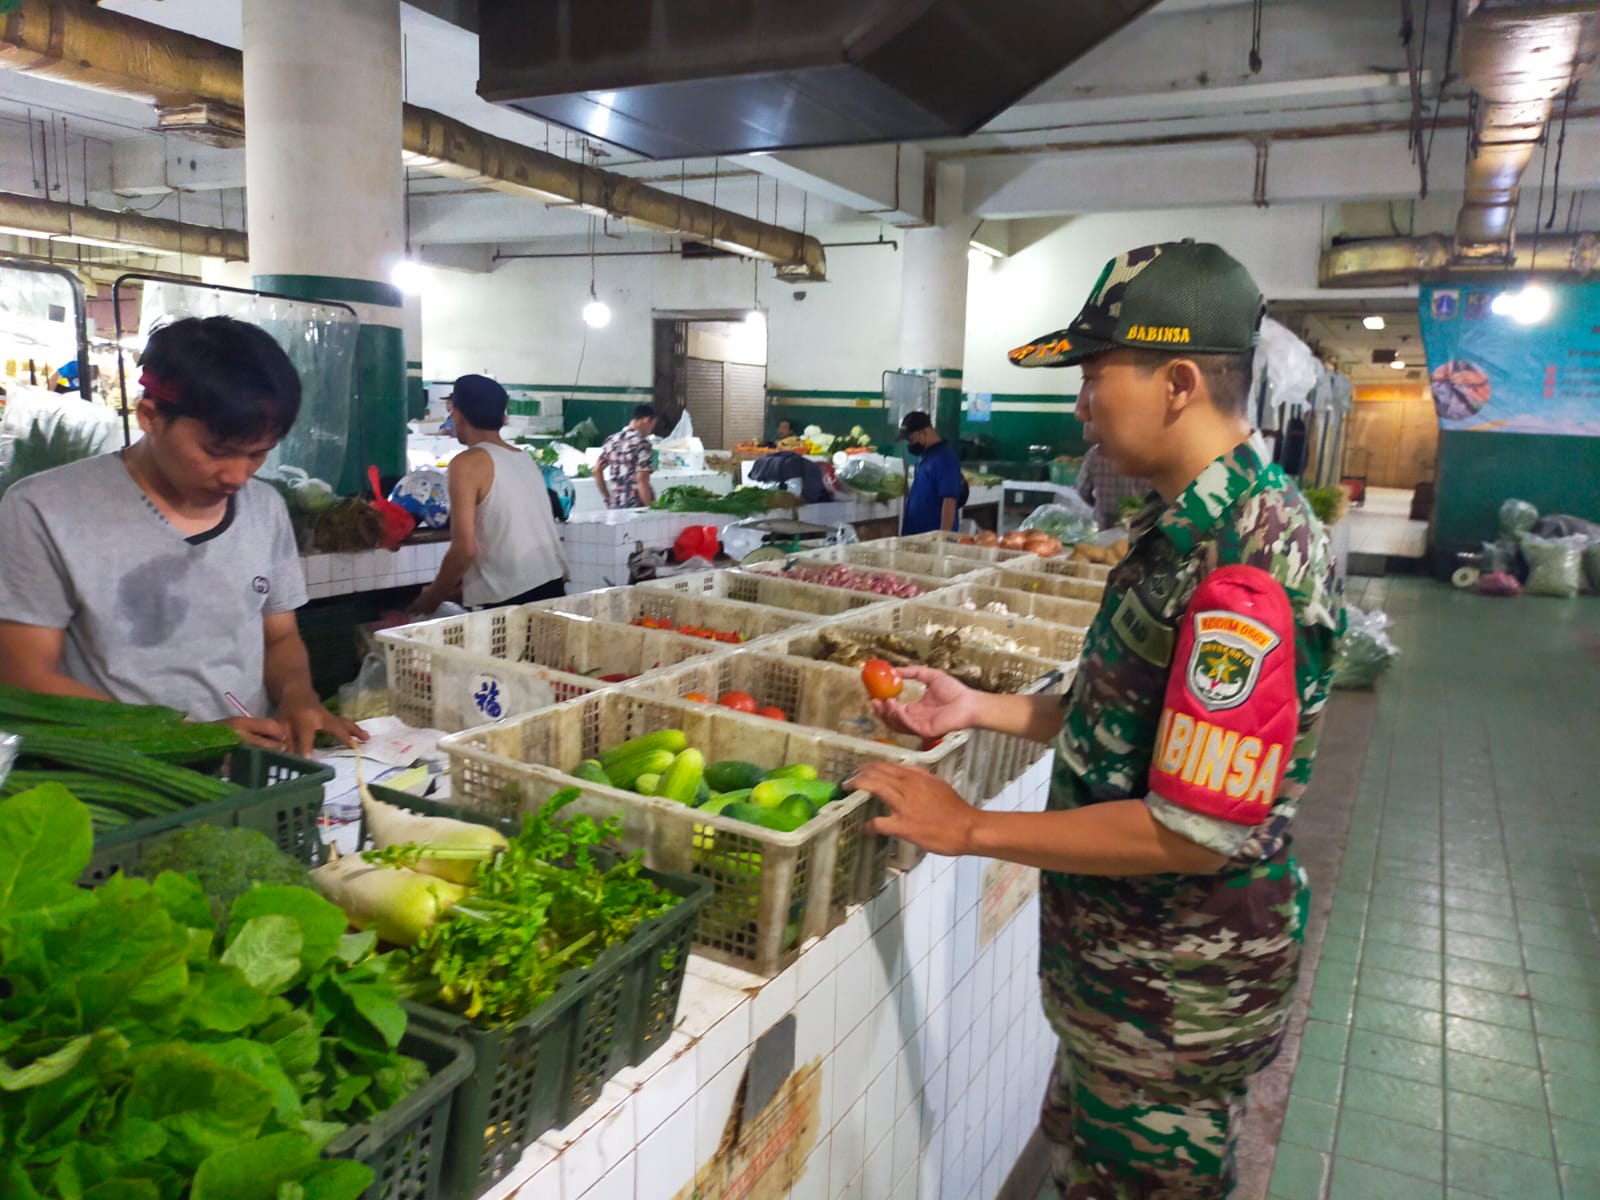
x=713, y=366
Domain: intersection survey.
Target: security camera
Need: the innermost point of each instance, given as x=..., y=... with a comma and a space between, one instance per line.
x=799, y=296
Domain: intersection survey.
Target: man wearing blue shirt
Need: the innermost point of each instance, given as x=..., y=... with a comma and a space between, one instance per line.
x=934, y=501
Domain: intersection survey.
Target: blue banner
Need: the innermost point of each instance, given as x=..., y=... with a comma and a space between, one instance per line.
x=1513, y=371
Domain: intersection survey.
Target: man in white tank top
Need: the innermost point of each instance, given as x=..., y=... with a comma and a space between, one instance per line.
x=504, y=546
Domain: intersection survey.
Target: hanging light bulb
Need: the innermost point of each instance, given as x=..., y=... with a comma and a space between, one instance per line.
x=407, y=276
x=596, y=313
x=755, y=321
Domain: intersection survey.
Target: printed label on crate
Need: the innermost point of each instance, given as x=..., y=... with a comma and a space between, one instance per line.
x=1007, y=888
x=763, y=1156
x=491, y=696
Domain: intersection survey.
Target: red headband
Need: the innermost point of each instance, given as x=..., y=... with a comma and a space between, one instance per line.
x=162, y=393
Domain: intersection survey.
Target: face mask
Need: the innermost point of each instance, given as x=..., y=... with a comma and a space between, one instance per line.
x=919, y=451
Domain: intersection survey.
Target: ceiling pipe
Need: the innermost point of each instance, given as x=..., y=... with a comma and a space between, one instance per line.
x=1395, y=262
x=35, y=217
x=1519, y=57
x=77, y=43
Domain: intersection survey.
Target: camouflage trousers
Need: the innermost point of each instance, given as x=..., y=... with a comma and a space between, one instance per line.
x=1168, y=994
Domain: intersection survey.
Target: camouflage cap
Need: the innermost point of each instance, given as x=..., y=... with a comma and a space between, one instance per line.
x=1179, y=296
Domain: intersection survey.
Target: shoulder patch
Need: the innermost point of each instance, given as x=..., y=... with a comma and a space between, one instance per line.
x=1232, y=711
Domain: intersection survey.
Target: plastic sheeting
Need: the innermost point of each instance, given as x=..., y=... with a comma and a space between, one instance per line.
x=320, y=340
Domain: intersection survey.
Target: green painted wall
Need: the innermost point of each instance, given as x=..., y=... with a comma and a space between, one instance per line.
x=1477, y=471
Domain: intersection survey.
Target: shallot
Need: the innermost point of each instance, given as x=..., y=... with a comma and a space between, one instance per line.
x=840, y=576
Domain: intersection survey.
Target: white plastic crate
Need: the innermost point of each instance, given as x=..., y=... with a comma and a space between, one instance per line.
x=626, y=605
x=782, y=570
x=773, y=890
x=1058, y=644
x=994, y=760
x=1066, y=587
x=751, y=588
x=457, y=672
x=873, y=556
x=1075, y=614
x=1009, y=672
x=945, y=542
x=1063, y=565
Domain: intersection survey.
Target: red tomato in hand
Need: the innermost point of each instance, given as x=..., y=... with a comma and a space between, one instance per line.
x=882, y=680
x=773, y=713
x=738, y=701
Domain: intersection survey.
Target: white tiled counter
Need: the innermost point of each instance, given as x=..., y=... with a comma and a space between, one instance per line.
x=372, y=570
x=922, y=1014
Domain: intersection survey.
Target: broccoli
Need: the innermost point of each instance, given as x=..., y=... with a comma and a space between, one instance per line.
x=227, y=862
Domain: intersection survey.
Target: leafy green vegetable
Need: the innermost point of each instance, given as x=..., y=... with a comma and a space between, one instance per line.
x=542, y=906
x=742, y=502
x=140, y=1059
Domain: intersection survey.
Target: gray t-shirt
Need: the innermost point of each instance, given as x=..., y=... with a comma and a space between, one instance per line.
x=151, y=616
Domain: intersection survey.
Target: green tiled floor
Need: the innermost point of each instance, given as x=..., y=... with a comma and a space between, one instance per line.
x=1453, y=1045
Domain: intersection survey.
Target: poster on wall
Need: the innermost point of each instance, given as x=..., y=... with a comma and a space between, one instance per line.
x=1502, y=360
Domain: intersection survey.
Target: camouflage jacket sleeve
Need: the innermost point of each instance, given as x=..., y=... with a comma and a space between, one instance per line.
x=1272, y=528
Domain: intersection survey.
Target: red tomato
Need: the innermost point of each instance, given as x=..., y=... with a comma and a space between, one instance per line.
x=882, y=680
x=773, y=713
x=738, y=701
x=697, y=697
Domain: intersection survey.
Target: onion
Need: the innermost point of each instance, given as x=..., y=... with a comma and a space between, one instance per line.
x=1016, y=540
x=988, y=538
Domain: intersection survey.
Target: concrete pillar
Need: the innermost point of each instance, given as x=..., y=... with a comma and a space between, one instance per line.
x=322, y=91
x=933, y=304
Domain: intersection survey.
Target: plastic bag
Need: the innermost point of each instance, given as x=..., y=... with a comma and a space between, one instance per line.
x=10, y=743
x=47, y=429
x=873, y=474
x=1555, y=565
x=1501, y=558
x=583, y=435
x=1498, y=583
x=425, y=494
x=367, y=695
x=1591, y=566
x=1365, y=651
x=1070, y=519
x=1562, y=525
x=1516, y=517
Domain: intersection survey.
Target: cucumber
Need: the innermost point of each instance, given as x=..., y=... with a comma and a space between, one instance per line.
x=648, y=784
x=672, y=740
x=779, y=820
x=721, y=800
x=590, y=771
x=625, y=772
x=732, y=775
x=793, y=771
x=681, y=781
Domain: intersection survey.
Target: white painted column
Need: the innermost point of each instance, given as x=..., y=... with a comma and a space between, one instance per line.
x=933, y=305
x=322, y=89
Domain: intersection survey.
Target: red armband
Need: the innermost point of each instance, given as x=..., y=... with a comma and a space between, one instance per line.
x=1233, y=711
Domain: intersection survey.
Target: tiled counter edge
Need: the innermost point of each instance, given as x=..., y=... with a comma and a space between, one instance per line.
x=933, y=1049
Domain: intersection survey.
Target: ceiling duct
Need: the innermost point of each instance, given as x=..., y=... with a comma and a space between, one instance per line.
x=1519, y=56
x=33, y=217
x=1396, y=262
x=669, y=79
x=77, y=43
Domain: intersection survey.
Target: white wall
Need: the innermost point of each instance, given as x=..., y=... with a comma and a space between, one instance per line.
x=1040, y=288
x=521, y=321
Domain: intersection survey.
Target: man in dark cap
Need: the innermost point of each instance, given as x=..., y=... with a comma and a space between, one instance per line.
x=934, y=501
x=1171, y=910
x=504, y=545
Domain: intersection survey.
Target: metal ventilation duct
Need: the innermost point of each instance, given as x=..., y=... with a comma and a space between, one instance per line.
x=1519, y=56
x=687, y=78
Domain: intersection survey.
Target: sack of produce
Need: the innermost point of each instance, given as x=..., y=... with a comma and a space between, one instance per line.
x=1565, y=525
x=874, y=475
x=425, y=494
x=44, y=430
x=1555, y=565
x=583, y=435
x=1070, y=519
x=1498, y=583
x=1591, y=565
x=1365, y=651
x=1516, y=517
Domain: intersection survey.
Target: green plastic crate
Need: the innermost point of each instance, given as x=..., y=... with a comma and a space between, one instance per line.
x=541, y=1072
x=281, y=797
x=405, y=1147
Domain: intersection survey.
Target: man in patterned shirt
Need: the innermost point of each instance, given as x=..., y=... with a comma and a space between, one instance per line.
x=1104, y=488
x=624, y=462
x=1171, y=910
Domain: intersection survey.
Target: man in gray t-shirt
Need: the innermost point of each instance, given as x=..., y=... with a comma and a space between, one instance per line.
x=165, y=573
x=151, y=616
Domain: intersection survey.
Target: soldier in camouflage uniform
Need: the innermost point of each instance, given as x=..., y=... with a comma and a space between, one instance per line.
x=1171, y=910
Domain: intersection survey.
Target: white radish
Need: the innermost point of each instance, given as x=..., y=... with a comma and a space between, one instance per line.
x=390, y=825
x=401, y=904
